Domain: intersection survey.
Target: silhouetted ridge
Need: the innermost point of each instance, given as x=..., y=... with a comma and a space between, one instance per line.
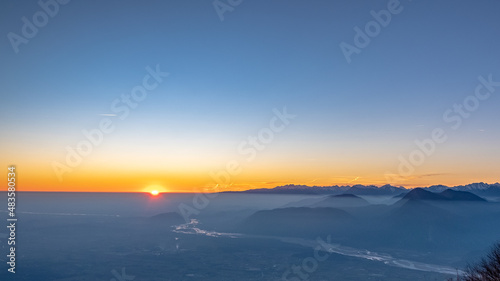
x=345, y=195
x=296, y=221
x=421, y=194
x=461, y=195
x=447, y=195
x=480, y=189
x=342, y=201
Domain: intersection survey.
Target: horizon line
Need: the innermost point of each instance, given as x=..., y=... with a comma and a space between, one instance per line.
x=222, y=191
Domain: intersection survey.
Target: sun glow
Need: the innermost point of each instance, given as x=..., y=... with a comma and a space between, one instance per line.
x=154, y=189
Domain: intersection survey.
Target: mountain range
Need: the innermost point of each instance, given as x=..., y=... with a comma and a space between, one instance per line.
x=446, y=195
x=420, y=220
x=480, y=189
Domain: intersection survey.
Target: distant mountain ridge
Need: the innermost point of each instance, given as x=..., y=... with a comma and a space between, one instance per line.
x=342, y=200
x=480, y=189
x=296, y=221
x=446, y=195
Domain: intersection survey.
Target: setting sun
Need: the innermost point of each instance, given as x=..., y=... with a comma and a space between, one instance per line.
x=154, y=189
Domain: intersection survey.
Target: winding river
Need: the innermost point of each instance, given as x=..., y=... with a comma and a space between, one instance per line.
x=193, y=228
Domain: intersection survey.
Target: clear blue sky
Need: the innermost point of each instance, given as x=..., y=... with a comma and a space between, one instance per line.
x=227, y=76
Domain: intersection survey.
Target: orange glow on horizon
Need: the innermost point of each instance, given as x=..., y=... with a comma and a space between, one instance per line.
x=32, y=177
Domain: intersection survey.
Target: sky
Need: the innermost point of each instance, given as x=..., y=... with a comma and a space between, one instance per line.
x=248, y=94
